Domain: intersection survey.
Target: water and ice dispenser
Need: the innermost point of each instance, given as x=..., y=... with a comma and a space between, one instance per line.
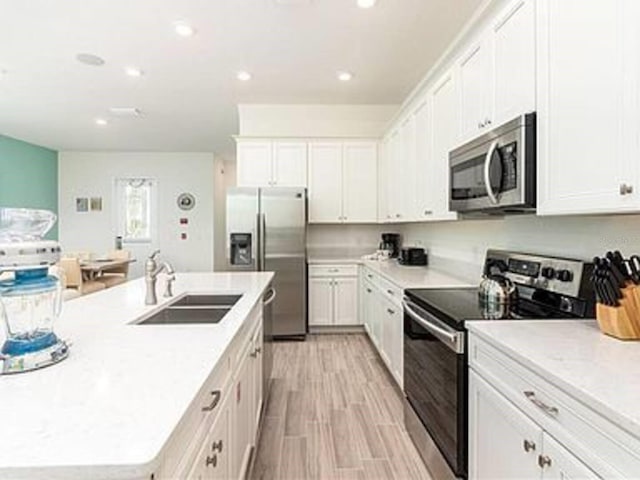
x=240, y=244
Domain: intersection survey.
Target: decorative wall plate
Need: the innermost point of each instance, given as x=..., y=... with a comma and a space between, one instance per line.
x=186, y=201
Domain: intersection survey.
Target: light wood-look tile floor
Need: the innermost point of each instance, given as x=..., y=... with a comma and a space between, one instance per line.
x=333, y=413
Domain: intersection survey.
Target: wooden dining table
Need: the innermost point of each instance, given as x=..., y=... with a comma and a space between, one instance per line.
x=91, y=269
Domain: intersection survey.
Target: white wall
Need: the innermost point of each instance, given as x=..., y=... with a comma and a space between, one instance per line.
x=225, y=177
x=92, y=174
x=315, y=120
x=573, y=237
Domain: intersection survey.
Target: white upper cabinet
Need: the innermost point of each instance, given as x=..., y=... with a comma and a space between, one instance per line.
x=360, y=179
x=272, y=163
x=498, y=71
x=588, y=54
x=424, y=177
x=475, y=88
x=325, y=182
x=514, y=67
x=444, y=105
x=343, y=182
x=290, y=164
x=254, y=164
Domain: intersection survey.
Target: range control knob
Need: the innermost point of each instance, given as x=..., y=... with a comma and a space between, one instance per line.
x=548, y=273
x=564, y=275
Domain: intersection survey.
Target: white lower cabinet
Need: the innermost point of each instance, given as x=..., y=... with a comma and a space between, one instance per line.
x=333, y=296
x=216, y=436
x=383, y=318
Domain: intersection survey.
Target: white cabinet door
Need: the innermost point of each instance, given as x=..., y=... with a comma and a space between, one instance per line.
x=325, y=182
x=345, y=299
x=257, y=394
x=290, y=164
x=444, y=107
x=424, y=165
x=360, y=180
x=371, y=313
x=254, y=167
x=514, y=65
x=242, y=417
x=383, y=204
x=397, y=344
x=213, y=460
x=392, y=183
x=587, y=106
x=387, y=312
x=320, y=301
x=503, y=442
x=407, y=188
x=475, y=89
x=558, y=463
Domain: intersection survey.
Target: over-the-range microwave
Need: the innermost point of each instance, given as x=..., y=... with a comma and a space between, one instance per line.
x=496, y=172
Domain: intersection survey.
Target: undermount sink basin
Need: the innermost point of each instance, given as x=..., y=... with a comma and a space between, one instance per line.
x=194, y=309
x=185, y=316
x=207, y=300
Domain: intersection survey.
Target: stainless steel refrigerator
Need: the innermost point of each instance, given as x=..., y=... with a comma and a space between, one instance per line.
x=266, y=231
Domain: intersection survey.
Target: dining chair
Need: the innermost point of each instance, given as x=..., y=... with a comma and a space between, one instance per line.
x=116, y=275
x=73, y=275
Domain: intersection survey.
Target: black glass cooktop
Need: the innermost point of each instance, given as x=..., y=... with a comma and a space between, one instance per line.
x=455, y=306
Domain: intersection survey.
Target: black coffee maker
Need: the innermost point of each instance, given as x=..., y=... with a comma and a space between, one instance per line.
x=391, y=242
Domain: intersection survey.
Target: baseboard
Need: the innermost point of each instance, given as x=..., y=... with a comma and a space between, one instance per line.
x=332, y=329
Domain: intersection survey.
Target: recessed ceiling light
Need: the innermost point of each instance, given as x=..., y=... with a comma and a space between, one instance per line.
x=101, y=122
x=345, y=76
x=133, y=72
x=130, y=112
x=244, y=76
x=184, y=29
x=90, y=59
x=366, y=3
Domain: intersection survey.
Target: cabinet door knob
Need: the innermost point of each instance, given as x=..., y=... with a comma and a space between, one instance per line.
x=487, y=121
x=211, y=461
x=368, y=290
x=626, y=189
x=428, y=212
x=391, y=312
x=390, y=292
x=529, y=446
x=480, y=124
x=544, y=461
x=398, y=215
x=217, y=446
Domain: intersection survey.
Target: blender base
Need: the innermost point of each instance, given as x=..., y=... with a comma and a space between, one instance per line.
x=35, y=360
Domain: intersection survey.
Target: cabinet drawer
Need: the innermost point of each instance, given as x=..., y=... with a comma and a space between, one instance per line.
x=607, y=449
x=333, y=270
x=391, y=291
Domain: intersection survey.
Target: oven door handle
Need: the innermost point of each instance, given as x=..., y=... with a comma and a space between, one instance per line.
x=487, y=177
x=453, y=340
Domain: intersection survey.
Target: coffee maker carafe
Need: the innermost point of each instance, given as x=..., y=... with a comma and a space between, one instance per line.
x=391, y=243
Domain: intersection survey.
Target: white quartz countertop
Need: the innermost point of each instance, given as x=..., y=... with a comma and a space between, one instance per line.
x=575, y=356
x=418, y=277
x=339, y=255
x=115, y=401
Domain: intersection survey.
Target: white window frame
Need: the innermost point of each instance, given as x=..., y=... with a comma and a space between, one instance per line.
x=119, y=186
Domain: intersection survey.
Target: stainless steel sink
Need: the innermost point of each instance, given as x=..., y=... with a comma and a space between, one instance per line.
x=194, y=309
x=185, y=316
x=207, y=300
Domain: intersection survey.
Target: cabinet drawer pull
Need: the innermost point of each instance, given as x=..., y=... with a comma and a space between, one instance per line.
x=214, y=403
x=334, y=270
x=626, y=189
x=211, y=461
x=391, y=312
x=544, y=461
x=258, y=350
x=390, y=292
x=217, y=446
x=370, y=276
x=428, y=212
x=368, y=290
x=529, y=446
x=551, y=411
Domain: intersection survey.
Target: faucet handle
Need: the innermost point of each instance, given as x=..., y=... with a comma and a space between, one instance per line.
x=154, y=255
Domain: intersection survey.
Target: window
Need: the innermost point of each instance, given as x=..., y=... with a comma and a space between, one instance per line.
x=136, y=209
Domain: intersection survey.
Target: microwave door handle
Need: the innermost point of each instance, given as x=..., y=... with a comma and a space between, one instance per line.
x=452, y=340
x=487, y=178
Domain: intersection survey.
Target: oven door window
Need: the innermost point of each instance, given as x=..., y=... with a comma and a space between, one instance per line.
x=435, y=385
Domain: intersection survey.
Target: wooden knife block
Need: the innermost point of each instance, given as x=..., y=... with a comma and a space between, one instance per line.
x=622, y=322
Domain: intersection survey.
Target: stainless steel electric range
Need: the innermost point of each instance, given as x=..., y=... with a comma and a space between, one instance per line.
x=435, y=345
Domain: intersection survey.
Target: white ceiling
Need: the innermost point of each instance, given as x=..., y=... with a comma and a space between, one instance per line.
x=189, y=91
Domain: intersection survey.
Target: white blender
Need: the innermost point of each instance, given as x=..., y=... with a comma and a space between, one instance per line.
x=30, y=298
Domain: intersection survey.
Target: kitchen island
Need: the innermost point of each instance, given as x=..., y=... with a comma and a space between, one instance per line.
x=131, y=400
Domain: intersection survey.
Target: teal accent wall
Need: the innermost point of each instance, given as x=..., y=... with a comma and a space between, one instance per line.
x=28, y=177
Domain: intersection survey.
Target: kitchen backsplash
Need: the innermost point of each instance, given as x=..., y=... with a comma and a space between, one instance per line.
x=364, y=236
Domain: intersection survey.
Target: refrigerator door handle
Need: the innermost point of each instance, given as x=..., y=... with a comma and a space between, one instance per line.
x=258, y=243
x=263, y=242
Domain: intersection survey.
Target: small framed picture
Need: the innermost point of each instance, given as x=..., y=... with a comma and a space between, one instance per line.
x=82, y=204
x=96, y=204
